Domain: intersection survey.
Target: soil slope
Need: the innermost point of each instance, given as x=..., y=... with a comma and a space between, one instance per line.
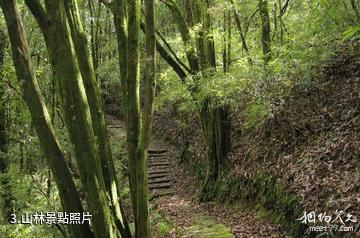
x=311, y=144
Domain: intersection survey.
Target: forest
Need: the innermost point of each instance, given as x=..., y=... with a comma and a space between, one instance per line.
x=179, y=118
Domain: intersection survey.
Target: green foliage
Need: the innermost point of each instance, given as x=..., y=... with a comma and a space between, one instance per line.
x=25, y=231
x=30, y=194
x=27, y=172
x=311, y=32
x=108, y=77
x=163, y=226
x=256, y=113
x=352, y=33
x=163, y=229
x=173, y=92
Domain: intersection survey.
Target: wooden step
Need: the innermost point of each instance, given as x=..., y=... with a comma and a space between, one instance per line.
x=157, y=156
x=161, y=171
x=115, y=126
x=158, y=167
x=161, y=163
x=160, y=186
x=157, y=159
x=156, y=176
x=161, y=180
x=158, y=173
x=158, y=164
x=157, y=151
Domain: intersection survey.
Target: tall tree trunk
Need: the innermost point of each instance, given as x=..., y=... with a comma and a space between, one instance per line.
x=98, y=35
x=281, y=24
x=93, y=38
x=138, y=123
x=40, y=117
x=138, y=138
x=226, y=41
x=133, y=99
x=119, y=16
x=97, y=113
x=266, y=31
x=174, y=63
x=143, y=219
x=239, y=27
x=78, y=118
x=214, y=119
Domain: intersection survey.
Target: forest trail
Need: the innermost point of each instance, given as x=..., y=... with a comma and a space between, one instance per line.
x=162, y=188
x=192, y=219
x=188, y=221
x=173, y=194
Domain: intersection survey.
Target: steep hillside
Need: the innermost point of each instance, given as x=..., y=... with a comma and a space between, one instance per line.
x=304, y=158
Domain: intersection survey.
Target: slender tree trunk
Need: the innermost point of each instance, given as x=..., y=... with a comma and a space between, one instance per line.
x=138, y=123
x=188, y=13
x=214, y=119
x=66, y=68
x=171, y=51
x=133, y=99
x=226, y=41
x=120, y=15
x=93, y=38
x=275, y=12
x=281, y=24
x=198, y=19
x=138, y=133
x=97, y=113
x=143, y=218
x=265, y=32
x=40, y=117
x=174, y=64
x=239, y=27
x=98, y=35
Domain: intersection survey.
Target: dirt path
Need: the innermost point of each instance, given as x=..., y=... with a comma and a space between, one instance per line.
x=174, y=194
x=197, y=220
x=188, y=220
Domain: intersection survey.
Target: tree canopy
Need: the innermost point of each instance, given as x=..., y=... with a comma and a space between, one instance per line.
x=72, y=72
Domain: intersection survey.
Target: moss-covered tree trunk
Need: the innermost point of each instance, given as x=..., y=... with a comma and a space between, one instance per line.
x=214, y=118
x=127, y=19
x=265, y=30
x=97, y=113
x=143, y=216
x=138, y=135
x=40, y=117
x=62, y=32
x=215, y=121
